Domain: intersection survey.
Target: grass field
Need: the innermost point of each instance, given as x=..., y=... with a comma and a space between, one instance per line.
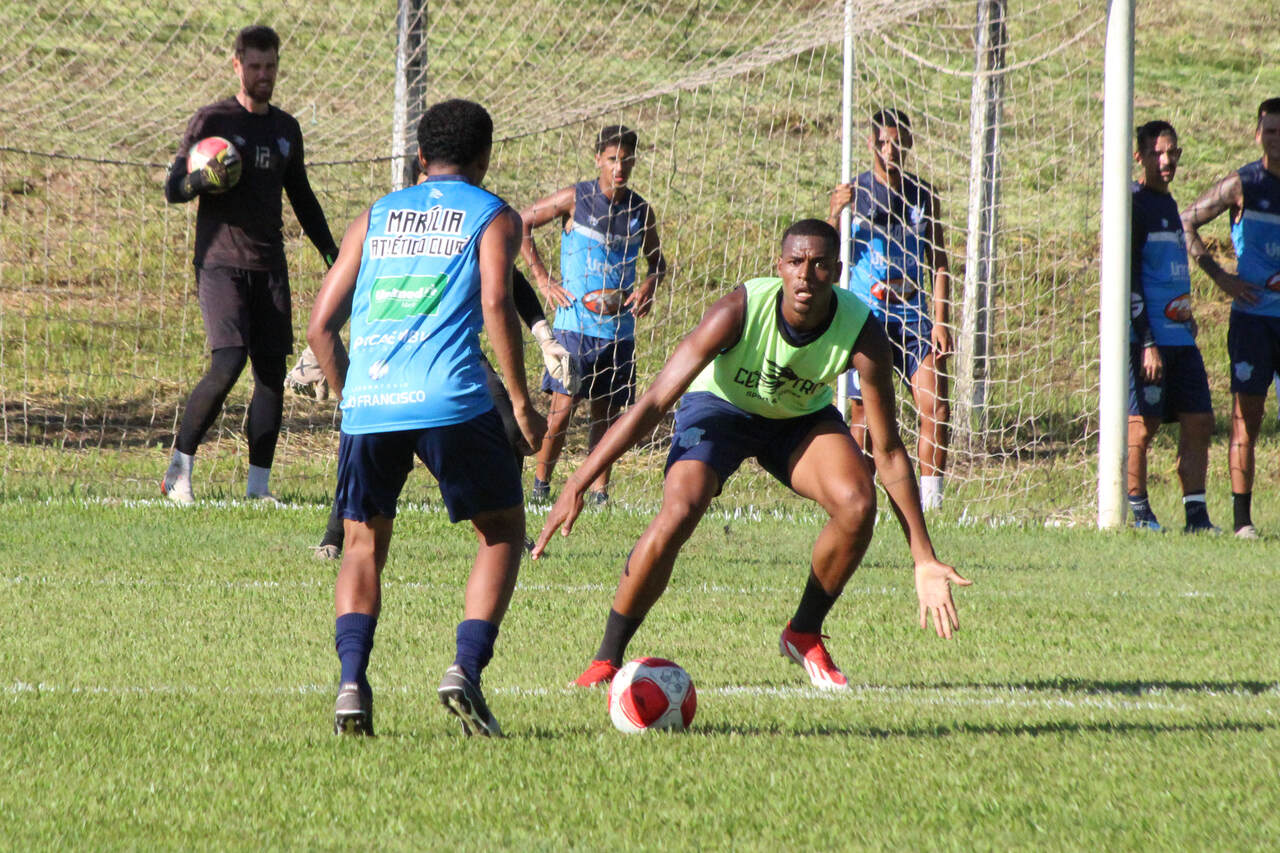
x=169, y=679
x=168, y=676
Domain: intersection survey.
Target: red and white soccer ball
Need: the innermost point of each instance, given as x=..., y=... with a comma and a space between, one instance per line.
x=215, y=148
x=652, y=693
x=607, y=302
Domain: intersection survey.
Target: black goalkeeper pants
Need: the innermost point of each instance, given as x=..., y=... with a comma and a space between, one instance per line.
x=266, y=406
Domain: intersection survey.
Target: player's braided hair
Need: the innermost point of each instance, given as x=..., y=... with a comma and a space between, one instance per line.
x=456, y=132
x=256, y=37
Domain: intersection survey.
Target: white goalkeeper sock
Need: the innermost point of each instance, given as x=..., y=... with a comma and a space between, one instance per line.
x=258, y=482
x=931, y=492
x=180, y=465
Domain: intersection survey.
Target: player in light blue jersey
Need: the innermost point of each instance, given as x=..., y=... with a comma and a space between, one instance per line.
x=899, y=250
x=418, y=274
x=605, y=227
x=1167, y=380
x=1252, y=195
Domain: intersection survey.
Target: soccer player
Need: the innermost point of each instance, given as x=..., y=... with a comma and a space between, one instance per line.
x=898, y=245
x=605, y=227
x=556, y=360
x=418, y=274
x=1252, y=194
x=757, y=370
x=554, y=356
x=241, y=277
x=1166, y=373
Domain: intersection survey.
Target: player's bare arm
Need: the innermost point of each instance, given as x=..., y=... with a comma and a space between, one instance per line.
x=332, y=308
x=1226, y=195
x=872, y=359
x=942, y=343
x=558, y=205
x=498, y=249
x=641, y=299
x=719, y=328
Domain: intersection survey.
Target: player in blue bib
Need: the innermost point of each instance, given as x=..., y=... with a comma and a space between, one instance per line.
x=899, y=249
x=1167, y=380
x=605, y=227
x=418, y=274
x=1252, y=195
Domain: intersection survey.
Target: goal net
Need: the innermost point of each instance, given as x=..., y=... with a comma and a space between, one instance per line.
x=737, y=104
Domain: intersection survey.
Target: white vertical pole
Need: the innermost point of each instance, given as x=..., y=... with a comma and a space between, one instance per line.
x=411, y=84
x=1113, y=322
x=846, y=174
x=986, y=99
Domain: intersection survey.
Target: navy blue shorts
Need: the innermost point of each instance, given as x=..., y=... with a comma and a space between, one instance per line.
x=246, y=308
x=712, y=430
x=1253, y=344
x=607, y=368
x=1184, y=391
x=472, y=461
x=911, y=342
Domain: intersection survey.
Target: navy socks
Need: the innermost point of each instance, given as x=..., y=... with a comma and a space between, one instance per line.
x=353, y=638
x=475, y=647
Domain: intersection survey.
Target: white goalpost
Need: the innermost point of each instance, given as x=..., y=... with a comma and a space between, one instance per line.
x=1113, y=326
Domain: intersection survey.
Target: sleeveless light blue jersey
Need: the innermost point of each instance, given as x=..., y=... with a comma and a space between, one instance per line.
x=891, y=252
x=1161, y=282
x=1257, y=238
x=599, y=252
x=415, y=315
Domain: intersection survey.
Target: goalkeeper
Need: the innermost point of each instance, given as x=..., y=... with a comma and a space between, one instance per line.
x=241, y=277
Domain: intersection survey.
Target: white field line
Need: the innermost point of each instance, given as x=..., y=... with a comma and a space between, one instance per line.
x=449, y=585
x=1267, y=701
x=802, y=513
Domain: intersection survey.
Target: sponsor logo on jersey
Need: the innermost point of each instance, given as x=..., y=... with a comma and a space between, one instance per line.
x=1179, y=309
x=399, y=297
x=773, y=379
x=378, y=370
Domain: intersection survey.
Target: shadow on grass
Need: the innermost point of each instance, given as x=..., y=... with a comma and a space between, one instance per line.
x=1122, y=688
x=1058, y=727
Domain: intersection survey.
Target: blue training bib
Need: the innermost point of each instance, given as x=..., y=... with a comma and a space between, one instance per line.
x=416, y=315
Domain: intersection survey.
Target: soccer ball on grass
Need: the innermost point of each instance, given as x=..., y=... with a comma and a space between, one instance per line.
x=652, y=693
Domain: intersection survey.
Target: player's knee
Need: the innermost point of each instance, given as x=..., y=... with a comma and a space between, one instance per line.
x=226, y=364
x=855, y=509
x=501, y=526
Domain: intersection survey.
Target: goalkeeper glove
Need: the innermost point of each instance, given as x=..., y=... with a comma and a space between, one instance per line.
x=213, y=176
x=556, y=358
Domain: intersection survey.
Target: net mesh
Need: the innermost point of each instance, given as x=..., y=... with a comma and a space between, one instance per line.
x=737, y=103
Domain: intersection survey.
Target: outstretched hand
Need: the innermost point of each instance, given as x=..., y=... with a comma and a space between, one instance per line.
x=933, y=590
x=564, y=512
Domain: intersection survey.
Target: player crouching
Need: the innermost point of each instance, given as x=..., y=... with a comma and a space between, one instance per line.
x=792, y=335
